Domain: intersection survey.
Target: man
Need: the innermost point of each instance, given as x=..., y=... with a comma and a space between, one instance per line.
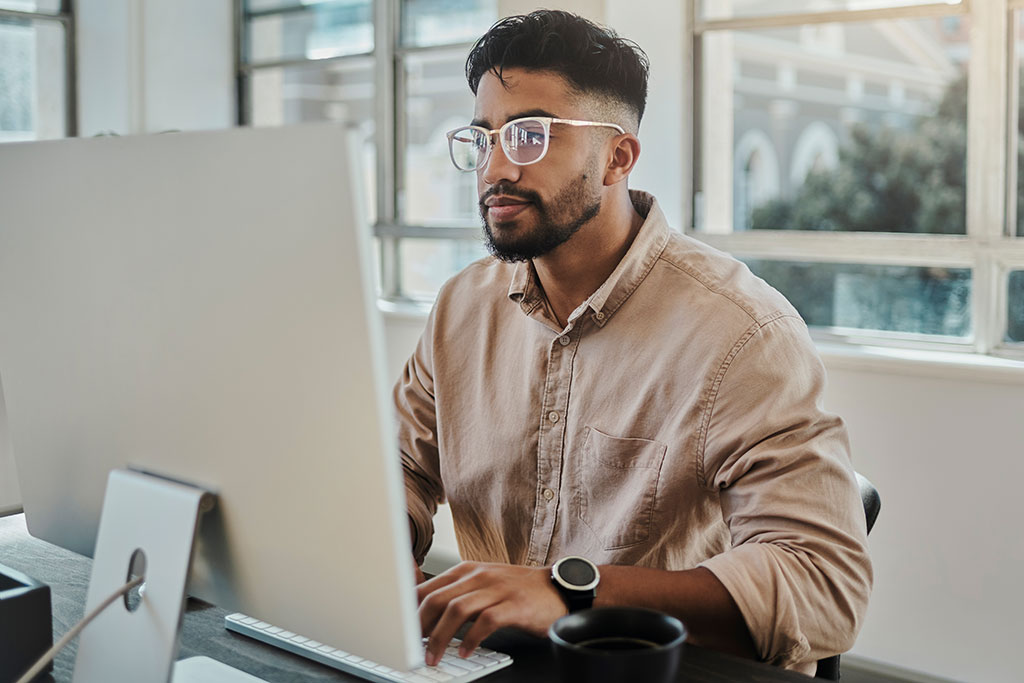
x=603, y=387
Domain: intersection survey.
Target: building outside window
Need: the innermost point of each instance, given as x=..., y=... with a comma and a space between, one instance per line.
x=854, y=128
x=37, y=99
x=854, y=153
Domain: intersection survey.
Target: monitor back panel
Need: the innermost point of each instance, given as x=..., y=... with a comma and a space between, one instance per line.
x=199, y=305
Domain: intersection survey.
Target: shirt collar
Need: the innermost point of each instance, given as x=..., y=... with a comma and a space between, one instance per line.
x=647, y=246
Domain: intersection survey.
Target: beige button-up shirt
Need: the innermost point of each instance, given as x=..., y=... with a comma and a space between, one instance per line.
x=674, y=421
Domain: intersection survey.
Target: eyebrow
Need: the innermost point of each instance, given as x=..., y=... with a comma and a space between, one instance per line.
x=523, y=114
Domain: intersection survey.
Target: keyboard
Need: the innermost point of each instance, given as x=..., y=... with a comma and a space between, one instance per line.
x=451, y=668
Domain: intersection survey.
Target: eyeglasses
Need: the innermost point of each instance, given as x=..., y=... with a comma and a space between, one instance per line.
x=524, y=141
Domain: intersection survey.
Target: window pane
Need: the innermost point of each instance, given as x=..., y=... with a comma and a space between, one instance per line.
x=442, y=22
x=717, y=9
x=32, y=80
x=426, y=264
x=915, y=300
x=319, y=31
x=837, y=127
x=437, y=99
x=1015, y=329
x=339, y=91
x=43, y=6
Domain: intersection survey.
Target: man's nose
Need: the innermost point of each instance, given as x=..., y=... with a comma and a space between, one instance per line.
x=498, y=167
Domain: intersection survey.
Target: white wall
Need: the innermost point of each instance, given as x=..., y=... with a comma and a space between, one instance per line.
x=10, y=495
x=947, y=455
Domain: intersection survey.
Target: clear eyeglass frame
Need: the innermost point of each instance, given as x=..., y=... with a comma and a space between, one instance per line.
x=469, y=137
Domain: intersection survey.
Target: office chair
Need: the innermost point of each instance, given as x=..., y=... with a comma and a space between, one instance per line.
x=828, y=668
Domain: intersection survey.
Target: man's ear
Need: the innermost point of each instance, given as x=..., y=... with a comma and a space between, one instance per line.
x=623, y=157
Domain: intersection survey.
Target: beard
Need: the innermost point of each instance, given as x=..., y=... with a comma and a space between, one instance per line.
x=557, y=221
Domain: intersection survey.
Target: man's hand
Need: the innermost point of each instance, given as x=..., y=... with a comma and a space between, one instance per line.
x=494, y=595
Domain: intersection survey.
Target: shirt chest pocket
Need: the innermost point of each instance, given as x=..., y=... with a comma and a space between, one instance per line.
x=616, y=487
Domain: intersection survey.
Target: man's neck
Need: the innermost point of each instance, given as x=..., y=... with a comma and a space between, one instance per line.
x=575, y=270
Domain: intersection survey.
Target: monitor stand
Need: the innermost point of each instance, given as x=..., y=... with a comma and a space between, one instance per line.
x=147, y=527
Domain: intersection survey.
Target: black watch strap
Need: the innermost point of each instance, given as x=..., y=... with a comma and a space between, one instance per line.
x=576, y=579
x=577, y=600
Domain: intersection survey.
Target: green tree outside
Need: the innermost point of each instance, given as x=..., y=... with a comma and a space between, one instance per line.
x=891, y=180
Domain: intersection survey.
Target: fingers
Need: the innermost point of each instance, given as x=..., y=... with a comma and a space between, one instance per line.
x=439, y=592
x=487, y=622
x=457, y=612
x=447, y=578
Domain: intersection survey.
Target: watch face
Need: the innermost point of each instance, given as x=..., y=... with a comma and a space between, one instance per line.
x=577, y=572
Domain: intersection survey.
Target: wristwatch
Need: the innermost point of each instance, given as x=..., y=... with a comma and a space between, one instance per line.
x=576, y=578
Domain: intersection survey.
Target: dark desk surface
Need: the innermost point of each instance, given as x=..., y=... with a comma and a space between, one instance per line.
x=203, y=633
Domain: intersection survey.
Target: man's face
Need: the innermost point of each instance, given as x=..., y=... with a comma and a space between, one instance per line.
x=530, y=210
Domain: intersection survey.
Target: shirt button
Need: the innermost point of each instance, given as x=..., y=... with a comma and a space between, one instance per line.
x=553, y=416
x=564, y=341
x=599, y=315
x=548, y=494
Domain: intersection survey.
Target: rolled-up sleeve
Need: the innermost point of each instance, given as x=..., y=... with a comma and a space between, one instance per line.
x=798, y=567
x=417, y=442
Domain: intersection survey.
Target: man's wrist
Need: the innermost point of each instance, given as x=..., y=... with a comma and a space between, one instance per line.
x=576, y=579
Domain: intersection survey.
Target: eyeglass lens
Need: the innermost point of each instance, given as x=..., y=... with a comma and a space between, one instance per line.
x=523, y=142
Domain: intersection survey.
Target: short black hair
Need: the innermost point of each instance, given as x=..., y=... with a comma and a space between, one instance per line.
x=593, y=59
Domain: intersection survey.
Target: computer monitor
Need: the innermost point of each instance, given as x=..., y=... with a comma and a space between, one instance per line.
x=201, y=305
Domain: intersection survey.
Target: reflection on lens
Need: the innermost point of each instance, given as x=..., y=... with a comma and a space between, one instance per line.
x=524, y=141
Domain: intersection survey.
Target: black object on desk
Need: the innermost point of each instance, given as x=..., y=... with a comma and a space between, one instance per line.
x=25, y=628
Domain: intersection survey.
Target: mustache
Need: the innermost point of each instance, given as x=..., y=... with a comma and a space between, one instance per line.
x=509, y=190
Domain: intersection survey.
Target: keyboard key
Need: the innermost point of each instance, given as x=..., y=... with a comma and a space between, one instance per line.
x=467, y=664
x=311, y=644
x=299, y=640
x=416, y=678
x=355, y=659
x=274, y=630
x=483, y=660
x=260, y=625
x=449, y=669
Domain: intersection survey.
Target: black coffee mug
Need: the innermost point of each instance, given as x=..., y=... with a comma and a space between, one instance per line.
x=617, y=644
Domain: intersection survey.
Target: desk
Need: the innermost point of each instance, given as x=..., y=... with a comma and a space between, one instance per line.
x=203, y=632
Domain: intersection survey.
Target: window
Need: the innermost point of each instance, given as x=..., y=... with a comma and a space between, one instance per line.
x=36, y=70
x=854, y=154
x=394, y=70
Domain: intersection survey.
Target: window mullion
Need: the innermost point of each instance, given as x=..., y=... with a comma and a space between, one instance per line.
x=837, y=247
x=70, y=68
x=385, y=37
x=782, y=20
x=987, y=102
x=384, y=72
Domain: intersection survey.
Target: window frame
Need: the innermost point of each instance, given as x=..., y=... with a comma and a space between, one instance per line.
x=389, y=56
x=66, y=17
x=989, y=247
